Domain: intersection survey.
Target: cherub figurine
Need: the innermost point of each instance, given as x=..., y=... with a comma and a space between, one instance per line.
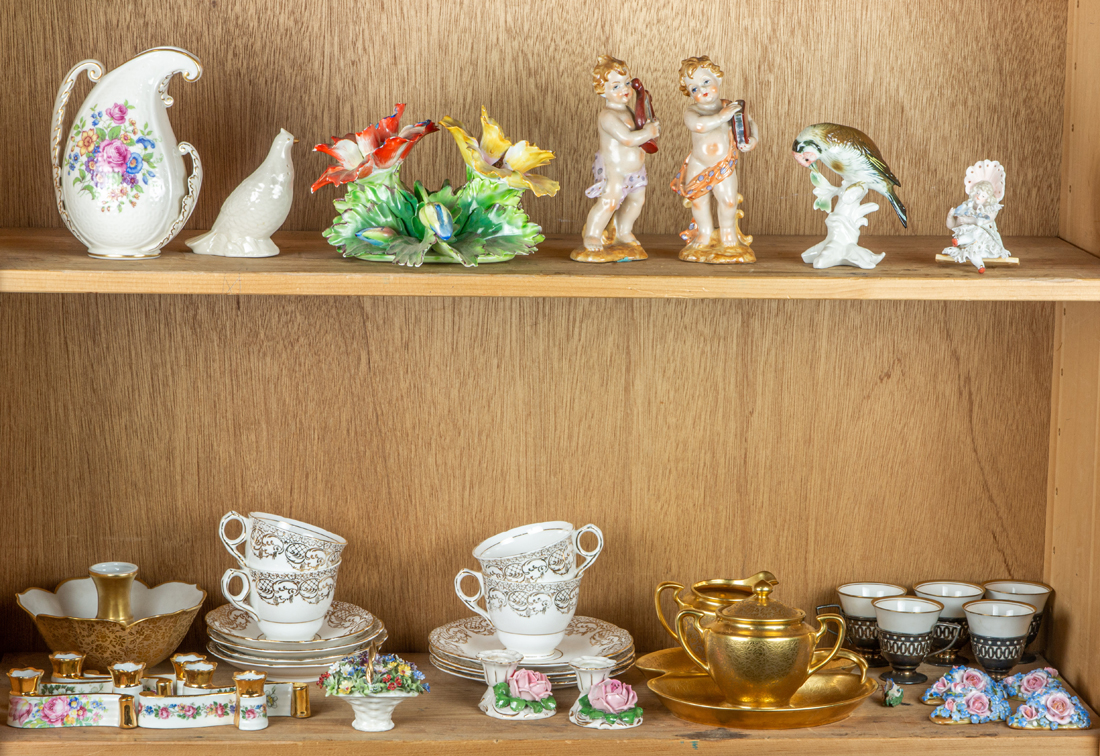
x=973, y=227
x=711, y=167
x=619, y=170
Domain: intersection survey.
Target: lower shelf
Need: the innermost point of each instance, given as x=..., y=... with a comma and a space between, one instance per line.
x=447, y=721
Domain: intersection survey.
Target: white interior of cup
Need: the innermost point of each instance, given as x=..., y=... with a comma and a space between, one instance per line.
x=856, y=598
x=248, y=676
x=25, y=672
x=199, y=666
x=185, y=658
x=126, y=666
x=67, y=657
x=523, y=539
x=999, y=619
x=285, y=523
x=905, y=614
x=1034, y=594
x=592, y=662
x=951, y=595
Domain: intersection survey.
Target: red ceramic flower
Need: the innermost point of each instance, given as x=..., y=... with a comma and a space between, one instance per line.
x=376, y=147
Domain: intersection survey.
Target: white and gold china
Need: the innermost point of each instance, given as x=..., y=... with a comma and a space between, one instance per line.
x=905, y=627
x=293, y=655
x=67, y=619
x=538, y=553
x=282, y=670
x=126, y=678
x=113, y=581
x=119, y=177
x=66, y=665
x=529, y=617
x=1034, y=594
x=24, y=681
x=287, y=606
x=856, y=598
x=343, y=624
x=455, y=646
x=998, y=633
x=197, y=677
x=280, y=544
x=496, y=666
x=251, y=712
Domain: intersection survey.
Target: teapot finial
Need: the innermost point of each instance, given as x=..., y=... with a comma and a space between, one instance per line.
x=762, y=590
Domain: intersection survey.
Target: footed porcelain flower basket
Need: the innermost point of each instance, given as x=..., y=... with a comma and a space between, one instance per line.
x=374, y=712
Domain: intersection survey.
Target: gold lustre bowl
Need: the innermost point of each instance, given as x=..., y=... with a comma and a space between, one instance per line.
x=827, y=697
x=67, y=620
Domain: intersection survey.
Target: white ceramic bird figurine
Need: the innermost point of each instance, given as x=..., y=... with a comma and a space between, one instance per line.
x=853, y=156
x=255, y=209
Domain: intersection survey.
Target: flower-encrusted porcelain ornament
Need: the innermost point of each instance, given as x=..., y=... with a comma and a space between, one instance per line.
x=974, y=707
x=381, y=219
x=609, y=704
x=892, y=694
x=526, y=694
x=960, y=681
x=373, y=685
x=1054, y=709
x=1024, y=685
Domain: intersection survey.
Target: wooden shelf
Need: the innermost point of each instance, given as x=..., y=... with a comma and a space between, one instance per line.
x=51, y=260
x=447, y=721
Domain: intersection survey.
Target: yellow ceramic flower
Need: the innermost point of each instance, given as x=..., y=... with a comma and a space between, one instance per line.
x=87, y=141
x=496, y=157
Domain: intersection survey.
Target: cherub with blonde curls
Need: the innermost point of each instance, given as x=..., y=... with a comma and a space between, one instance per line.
x=619, y=170
x=711, y=167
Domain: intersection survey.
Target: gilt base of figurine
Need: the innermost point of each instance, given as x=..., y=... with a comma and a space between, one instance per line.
x=609, y=253
x=715, y=252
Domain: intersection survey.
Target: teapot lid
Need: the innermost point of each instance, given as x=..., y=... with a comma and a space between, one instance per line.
x=762, y=608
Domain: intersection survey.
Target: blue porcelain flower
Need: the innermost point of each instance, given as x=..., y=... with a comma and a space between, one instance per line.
x=134, y=164
x=1050, y=710
x=1027, y=684
x=146, y=142
x=975, y=707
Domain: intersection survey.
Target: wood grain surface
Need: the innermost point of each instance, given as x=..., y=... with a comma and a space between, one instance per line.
x=447, y=720
x=824, y=441
x=1080, y=206
x=938, y=85
x=1073, y=527
x=51, y=260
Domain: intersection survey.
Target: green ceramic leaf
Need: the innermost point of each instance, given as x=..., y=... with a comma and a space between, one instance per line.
x=824, y=205
x=114, y=132
x=409, y=251
x=101, y=134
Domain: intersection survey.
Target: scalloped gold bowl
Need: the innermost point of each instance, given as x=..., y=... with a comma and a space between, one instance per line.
x=67, y=620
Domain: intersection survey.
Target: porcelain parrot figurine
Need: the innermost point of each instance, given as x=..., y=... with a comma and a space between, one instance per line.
x=851, y=155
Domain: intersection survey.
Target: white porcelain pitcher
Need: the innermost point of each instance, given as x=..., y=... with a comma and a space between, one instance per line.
x=120, y=180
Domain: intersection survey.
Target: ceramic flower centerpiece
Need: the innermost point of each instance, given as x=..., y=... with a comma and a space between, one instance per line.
x=374, y=685
x=526, y=694
x=481, y=222
x=974, y=707
x=960, y=681
x=1027, y=684
x=1054, y=709
x=608, y=704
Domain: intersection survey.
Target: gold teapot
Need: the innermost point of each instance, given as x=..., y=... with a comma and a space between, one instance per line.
x=759, y=651
x=708, y=596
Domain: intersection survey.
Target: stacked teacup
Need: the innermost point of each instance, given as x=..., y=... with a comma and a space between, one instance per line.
x=288, y=573
x=530, y=581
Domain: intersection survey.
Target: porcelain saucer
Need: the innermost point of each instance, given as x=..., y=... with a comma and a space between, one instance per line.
x=557, y=679
x=344, y=624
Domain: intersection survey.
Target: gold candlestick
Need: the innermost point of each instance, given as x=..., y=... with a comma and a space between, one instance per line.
x=113, y=581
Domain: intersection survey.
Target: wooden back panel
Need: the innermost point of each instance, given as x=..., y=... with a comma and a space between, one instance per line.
x=824, y=441
x=938, y=85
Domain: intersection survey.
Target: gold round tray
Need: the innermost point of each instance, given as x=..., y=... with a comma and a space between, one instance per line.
x=673, y=661
x=827, y=697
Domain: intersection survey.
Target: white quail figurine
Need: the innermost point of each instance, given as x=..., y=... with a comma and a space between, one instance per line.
x=255, y=209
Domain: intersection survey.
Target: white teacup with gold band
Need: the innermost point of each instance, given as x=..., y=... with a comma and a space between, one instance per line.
x=280, y=544
x=287, y=606
x=539, y=553
x=528, y=617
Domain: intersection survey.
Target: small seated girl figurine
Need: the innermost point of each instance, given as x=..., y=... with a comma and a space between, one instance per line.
x=973, y=223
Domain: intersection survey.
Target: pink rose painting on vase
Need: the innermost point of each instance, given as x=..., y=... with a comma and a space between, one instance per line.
x=112, y=159
x=55, y=710
x=20, y=711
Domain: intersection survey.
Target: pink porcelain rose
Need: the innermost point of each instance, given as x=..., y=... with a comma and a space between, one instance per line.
x=974, y=679
x=56, y=708
x=1033, y=682
x=612, y=696
x=1030, y=713
x=977, y=703
x=117, y=112
x=940, y=686
x=114, y=154
x=1059, y=708
x=528, y=685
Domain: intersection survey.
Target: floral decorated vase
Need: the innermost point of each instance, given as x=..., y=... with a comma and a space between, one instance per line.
x=374, y=712
x=119, y=178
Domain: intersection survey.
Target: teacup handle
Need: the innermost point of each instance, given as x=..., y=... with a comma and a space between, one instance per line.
x=232, y=543
x=694, y=615
x=668, y=584
x=823, y=620
x=237, y=599
x=954, y=634
x=859, y=660
x=471, y=601
x=589, y=556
